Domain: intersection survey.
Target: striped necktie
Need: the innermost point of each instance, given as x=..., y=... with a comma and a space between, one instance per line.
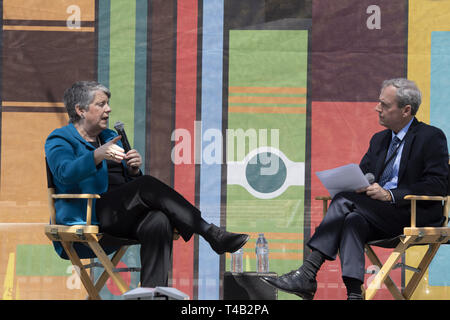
x=390, y=157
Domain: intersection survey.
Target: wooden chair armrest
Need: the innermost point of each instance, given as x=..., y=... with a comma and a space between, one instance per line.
x=426, y=198
x=88, y=196
x=75, y=196
x=413, y=198
x=325, y=200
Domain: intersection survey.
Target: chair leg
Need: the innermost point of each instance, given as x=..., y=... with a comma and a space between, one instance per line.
x=423, y=266
x=115, y=260
x=386, y=269
x=82, y=273
x=104, y=260
x=390, y=284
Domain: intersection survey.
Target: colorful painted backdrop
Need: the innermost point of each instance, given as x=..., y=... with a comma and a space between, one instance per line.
x=236, y=104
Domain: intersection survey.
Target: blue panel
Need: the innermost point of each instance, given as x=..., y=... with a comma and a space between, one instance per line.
x=440, y=81
x=439, y=274
x=210, y=172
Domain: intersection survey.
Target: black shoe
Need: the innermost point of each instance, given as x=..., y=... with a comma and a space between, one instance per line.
x=294, y=282
x=222, y=241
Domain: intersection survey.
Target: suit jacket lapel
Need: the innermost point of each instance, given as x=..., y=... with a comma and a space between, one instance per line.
x=409, y=139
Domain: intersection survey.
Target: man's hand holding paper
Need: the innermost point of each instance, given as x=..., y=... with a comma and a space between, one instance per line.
x=344, y=178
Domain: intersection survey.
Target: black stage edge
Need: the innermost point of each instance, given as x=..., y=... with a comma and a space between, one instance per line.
x=220, y=309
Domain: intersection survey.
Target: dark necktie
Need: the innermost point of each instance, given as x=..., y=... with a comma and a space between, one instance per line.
x=390, y=157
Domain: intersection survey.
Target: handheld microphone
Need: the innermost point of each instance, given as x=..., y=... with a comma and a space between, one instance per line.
x=121, y=131
x=370, y=177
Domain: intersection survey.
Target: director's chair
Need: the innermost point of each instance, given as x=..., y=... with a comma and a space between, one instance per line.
x=88, y=235
x=412, y=236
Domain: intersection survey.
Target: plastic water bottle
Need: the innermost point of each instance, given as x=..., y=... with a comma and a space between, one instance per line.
x=262, y=254
x=237, y=261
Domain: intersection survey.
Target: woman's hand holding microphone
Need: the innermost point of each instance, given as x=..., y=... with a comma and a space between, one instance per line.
x=111, y=151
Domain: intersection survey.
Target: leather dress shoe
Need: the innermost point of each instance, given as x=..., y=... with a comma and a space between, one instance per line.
x=294, y=282
x=222, y=241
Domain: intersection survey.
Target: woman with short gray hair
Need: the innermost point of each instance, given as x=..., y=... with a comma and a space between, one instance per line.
x=87, y=157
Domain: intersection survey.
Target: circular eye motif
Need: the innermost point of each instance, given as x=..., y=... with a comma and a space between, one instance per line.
x=266, y=172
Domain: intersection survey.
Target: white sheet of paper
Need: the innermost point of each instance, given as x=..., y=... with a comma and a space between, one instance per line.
x=344, y=178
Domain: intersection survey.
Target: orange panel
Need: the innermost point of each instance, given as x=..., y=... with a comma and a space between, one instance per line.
x=47, y=10
x=23, y=185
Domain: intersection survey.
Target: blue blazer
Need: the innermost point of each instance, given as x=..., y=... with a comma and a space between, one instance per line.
x=71, y=162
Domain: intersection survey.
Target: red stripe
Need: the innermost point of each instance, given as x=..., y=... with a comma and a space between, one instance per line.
x=185, y=116
x=345, y=136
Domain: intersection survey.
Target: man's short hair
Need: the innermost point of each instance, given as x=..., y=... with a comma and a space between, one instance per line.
x=407, y=93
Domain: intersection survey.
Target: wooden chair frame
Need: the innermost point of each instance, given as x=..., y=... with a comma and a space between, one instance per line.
x=89, y=235
x=412, y=236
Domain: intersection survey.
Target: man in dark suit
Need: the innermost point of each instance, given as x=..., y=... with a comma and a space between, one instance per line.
x=409, y=157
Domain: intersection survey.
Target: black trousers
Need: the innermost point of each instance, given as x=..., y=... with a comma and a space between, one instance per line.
x=345, y=228
x=148, y=210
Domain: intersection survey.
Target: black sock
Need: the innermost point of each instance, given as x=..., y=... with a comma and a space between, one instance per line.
x=203, y=227
x=353, y=286
x=312, y=264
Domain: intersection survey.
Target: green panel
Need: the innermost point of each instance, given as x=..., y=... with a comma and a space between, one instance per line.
x=291, y=137
x=122, y=64
x=39, y=260
x=271, y=61
x=271, y=58
x=246, y=213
